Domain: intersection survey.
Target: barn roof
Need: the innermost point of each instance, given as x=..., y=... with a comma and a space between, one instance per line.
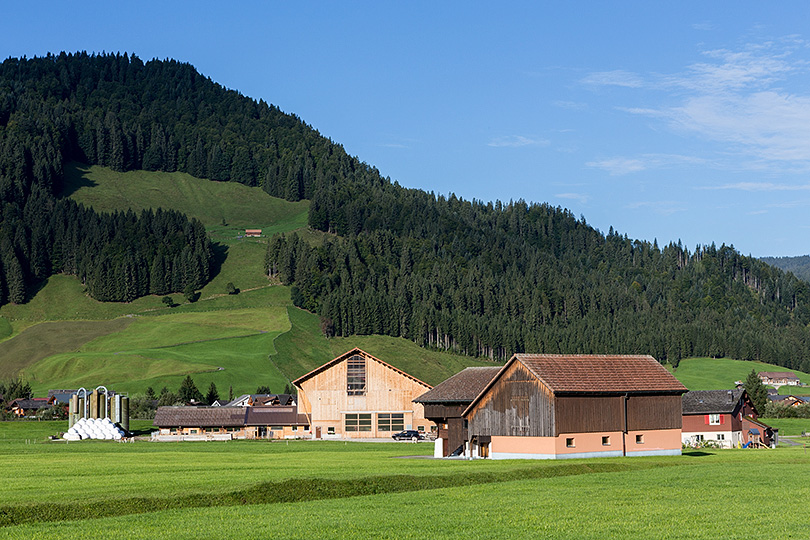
x=581, y=373
x=227, y=416
x=346, y=355
x=712, y=401
x=464, y=386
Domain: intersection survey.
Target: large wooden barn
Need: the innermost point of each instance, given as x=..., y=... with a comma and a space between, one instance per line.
x=546, y=406
x=359, y=396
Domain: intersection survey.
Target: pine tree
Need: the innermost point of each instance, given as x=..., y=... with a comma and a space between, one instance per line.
x=212, y=394
x=756, y=391
x=188, y=391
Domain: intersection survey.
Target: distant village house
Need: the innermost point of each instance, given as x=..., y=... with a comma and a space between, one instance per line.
x=723, y=418
x=253, y=232
x=779, y=378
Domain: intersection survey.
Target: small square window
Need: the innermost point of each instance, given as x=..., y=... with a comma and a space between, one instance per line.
x=721, y=436
x=639, y=439
x=714, y=419
x=420, y=429
x=569, y=442
x=330, y=430
x=605, y=441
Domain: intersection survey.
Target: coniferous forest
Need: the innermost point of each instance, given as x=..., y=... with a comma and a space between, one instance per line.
x=485, y=279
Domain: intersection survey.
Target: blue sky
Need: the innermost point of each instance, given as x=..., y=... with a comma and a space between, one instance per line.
x=687, y=121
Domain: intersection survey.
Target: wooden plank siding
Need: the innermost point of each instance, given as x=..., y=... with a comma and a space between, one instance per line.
x=654, y=412
x=324, y=398
x=517, y=404
x=588, y=414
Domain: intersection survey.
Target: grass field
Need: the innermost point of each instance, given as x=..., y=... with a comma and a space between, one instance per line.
x=720, y=373
x=240, y=206
x=332, y=489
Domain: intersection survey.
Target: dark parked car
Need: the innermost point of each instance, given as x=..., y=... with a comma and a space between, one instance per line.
x=407, y=435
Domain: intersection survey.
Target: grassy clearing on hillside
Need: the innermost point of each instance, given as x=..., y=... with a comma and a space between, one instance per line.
x=242, y=207
x=304, y=348
x=211, y=490
x=720, y=373
x=43, y=340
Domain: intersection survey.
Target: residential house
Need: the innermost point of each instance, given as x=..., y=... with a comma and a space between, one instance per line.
x=779, y=378
x=359, y=396
x=726, y=418
x=547, y=406
x=27, y=407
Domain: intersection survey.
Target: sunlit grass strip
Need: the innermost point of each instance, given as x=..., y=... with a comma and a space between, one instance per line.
x=297, y=490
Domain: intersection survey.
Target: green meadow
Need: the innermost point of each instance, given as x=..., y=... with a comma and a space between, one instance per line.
x=721, y=373
x=333, y=489
x=62, y=338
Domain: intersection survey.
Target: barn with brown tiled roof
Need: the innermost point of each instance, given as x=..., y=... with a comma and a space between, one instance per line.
x=571, y=406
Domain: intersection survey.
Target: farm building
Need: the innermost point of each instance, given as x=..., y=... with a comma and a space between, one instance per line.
x=253, y=233
x=27, y=407
x=359, y=396
x=727, y=418
x=225, y=423
x=546, y=406
x=779, y=378
x=446, y=402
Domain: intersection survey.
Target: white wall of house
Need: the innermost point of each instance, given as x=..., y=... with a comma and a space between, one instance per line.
x=724, y=439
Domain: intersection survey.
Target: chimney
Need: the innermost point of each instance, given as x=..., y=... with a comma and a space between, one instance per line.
x=730, y=397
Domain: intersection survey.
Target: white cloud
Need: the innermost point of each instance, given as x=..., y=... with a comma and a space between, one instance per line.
x=516, y=141
x=738, y=99
x=663, y=208
x=620, y=165
x=614, y=78
x=760, y=186
x=581, y=197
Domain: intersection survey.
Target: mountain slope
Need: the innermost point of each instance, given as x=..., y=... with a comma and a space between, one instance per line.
x=477, y=278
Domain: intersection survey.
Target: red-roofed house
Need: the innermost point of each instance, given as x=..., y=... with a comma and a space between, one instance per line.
x=359, y=396
x=546, y=406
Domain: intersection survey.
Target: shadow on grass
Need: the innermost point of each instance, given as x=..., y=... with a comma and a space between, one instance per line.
x=697, y=453
x=220, y=254
x=75, y=178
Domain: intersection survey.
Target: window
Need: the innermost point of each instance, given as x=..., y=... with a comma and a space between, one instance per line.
x=277, y=428
x=330, y=430
x=356, y=376
x=569, y=442
x=358, y=422
x=714, y=419
x=721, y=436
x=605, y=441
x=420, y=429
x=391, y=422
x=698, y=438
x=639, y=439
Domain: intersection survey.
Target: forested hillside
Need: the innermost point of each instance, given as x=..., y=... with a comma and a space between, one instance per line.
x=479, y=278
x=799, y=266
